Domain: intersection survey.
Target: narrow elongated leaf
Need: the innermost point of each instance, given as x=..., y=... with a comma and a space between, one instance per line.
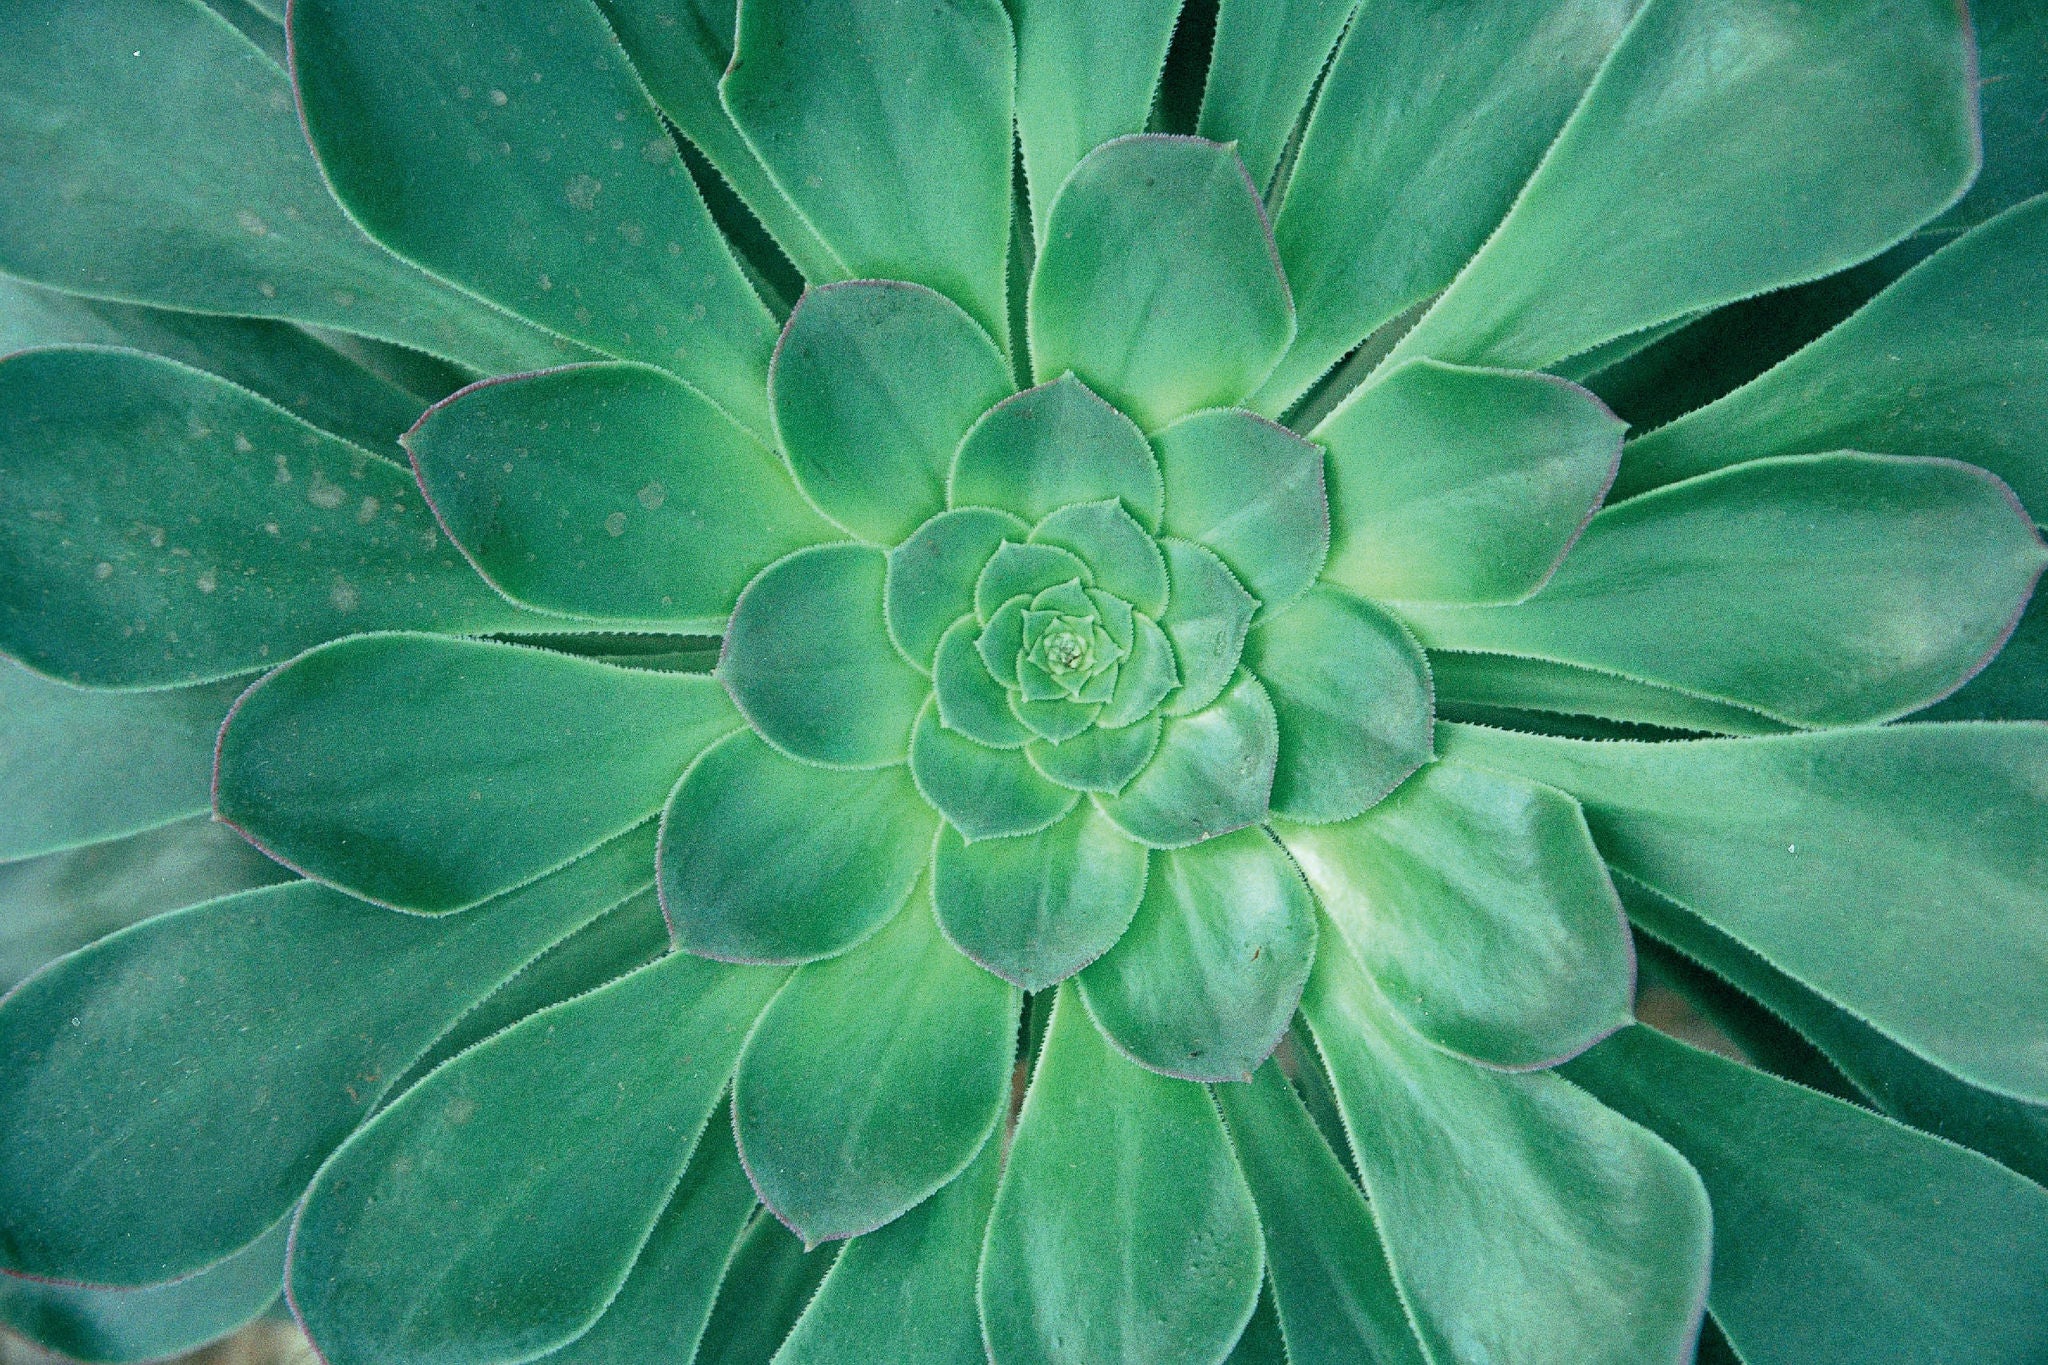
x=1058, y=443
x=661, y=1309
x=1429, y=121
x=182, y=180
x=1489, y=681
x=874, y=384
x=78, y=767
x=59, y=902
x=1351, y=693
x=221, y=999
x=1816, y=138
x=511, y=762
x=300, y=373
x=874, y=1079
x=764, y=859
x=1839, y=1236
x=1267, y=58
x=1212, y=773
x=1336, y=1298
x=118, y=1325
x=1122, y=1229
x=1252, y=492
x=905, y=1293
x=1894, y=1080
x=1482, y=909
x=767, y=1285
x=630, y=498
x=1157, y=282
x=1205, y=980
x=597, y=232
x=1458, y=485
x=839, y=96
x=1948, y=361
x=556, y=1199
x=1523, y=1220
x=1841, y=858
x=173, y=528
x=1086, y=72
x=1818, y=589
x=808, y=658
x=1036, y=908
x=681, y=49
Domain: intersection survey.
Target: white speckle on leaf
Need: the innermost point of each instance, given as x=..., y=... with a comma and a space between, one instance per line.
x=615, y=524
x=367, y=513
x=500, y=98
x=243, y=445
x=103, y=571
x=653, y=495
x=251, y=224
x=207, y=581
x=344, y=596
x=325, y=495
x=582, y=191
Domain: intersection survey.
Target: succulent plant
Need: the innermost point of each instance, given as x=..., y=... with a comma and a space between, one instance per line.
x=1041, y=677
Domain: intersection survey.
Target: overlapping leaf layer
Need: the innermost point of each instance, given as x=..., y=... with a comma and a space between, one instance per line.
x=1026, y=699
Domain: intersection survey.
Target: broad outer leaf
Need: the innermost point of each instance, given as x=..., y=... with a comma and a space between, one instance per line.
x=1481, y=908
x=1122, y=1229
x=628, y=498
x=1036, y=908
x=1086, y=72
x=60, y=902
x=1212, y=773
x=181, y=1012
x=355, y=396
x=467, y=1223
x=181, y=179
x=1457, y=485
x=508, y=763
x=1523, y=1220
x=1810, y=139
x=1251, y=491
x=148, y=1324
x=1205, y=980
x=1876, y=866
x=1336, y=1298
x=2012, y=93
x=1428, y=122
x=1818, y=589
x=873, y=1079
x=536, y=125
x=905, y=1293
x=874, y=384
x=808, y=659
x=1267, y=59
x=1351, y=692
x=681, y=48
x=661, y=1310
x=1839, y=1236
x=1894, y=1080
x=79, y=767
x=765, y=859
x=1951, y=360
x=1157, y=282
x=1058, y=443
x=840, y=97
x=168, y=527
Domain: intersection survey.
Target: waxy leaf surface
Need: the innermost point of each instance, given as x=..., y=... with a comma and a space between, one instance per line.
x=547, y=1204
x=1123, y=1229
x=214, y=1000
x=510, y=762
x=1843, y=859
x=1157, y=282
x=589, y=223
x=873, y=1079
x=1252, y=492
x=178, y=529
x=1058, y=443
x=629, y=498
